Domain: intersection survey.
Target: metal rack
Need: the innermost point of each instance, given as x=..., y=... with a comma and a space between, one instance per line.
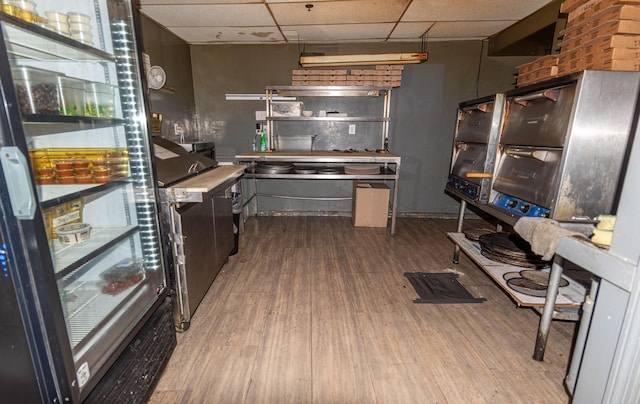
x=389, y=171
x=328, y=92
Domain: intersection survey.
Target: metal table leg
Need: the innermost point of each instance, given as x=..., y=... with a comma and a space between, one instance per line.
x=581, y=337
x=549, y=306
x=456, y=248
x=394, y=205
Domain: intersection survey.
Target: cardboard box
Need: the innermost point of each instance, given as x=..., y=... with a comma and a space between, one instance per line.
x=370, y=204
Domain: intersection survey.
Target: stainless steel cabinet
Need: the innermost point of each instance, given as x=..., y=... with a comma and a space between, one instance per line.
x=198, y=221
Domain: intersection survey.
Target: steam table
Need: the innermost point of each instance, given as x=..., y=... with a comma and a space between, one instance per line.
x=389, y=170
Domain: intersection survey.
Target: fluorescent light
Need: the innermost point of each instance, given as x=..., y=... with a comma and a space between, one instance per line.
x=255, y=97
x=364, y=59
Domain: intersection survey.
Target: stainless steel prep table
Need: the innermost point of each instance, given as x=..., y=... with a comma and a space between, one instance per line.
x=390, y=169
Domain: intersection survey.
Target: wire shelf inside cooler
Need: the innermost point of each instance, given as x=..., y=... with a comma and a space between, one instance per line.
x=89, y=310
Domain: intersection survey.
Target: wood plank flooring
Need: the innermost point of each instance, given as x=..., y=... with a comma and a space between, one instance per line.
x=313, y=310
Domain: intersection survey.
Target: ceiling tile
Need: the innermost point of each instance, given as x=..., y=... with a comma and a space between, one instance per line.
x=468, y=10
x=224, y=15
x=187, y=3
x=410, y=30
x=343, y=12
x=338, y=33
x=466, y=29
x=202, y=35
x=252, y=21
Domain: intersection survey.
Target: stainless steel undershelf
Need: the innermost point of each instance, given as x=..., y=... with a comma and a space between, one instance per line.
x=389, y=163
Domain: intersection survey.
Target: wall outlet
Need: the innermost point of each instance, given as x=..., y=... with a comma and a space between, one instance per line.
x=352, y=128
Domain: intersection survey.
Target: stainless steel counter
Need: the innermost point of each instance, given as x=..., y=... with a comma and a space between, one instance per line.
x=389, y=169
x=197, y=220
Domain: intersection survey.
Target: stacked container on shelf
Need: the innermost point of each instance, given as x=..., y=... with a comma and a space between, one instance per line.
x=79, y=165
x=46, y=92
x=22, y=9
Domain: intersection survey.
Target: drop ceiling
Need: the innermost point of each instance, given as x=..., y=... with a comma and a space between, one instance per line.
x=335, y=21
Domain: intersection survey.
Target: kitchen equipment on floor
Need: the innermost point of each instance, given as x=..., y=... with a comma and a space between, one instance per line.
x=475, y=146
x=197, y=222
x=510, y=248
x=563, y=146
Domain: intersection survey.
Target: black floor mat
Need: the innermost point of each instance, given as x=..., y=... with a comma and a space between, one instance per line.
x=440, y=288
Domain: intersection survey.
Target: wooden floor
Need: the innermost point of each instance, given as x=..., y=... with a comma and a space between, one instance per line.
x=313, y=310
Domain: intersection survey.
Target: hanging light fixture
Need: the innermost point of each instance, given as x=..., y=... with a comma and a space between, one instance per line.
x=399, y=58
x=365, y=59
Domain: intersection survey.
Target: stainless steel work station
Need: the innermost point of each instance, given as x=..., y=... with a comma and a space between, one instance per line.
x=197, y=221
x=330, y=201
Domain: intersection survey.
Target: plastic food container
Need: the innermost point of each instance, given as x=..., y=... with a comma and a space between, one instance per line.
x=67, y=180
x=78, y=18
x=37, y=90
x=44, y=170
x=25, y=10
x=82, y=171
x=286, y=108
x=26, y=5
x=74, y=233
x=56, y=16
x=122, y=276
x=71, y=96
x=100, y=100
x=80, y=163
x=100, y=170
x=101, y=179
x=99, y=163
x=63, y=164
x=120, y=170
x=294, y=142
x=84, y=178
x=45, y=179
x=61, y=27
x=67, y=172
x=80, y=27
x=84, y=37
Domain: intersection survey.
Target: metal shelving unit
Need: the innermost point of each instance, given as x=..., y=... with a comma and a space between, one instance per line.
x=327, y=92
x=378, y=114
x=389, y=171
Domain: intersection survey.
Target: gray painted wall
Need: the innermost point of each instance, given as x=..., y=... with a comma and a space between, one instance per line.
x=176, y=101
x=423, y=109
x=423, y=113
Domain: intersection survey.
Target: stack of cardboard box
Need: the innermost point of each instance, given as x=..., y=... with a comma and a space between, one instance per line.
x=319, y=77
x=380, y=76
x=540, y=69
x=599, y=35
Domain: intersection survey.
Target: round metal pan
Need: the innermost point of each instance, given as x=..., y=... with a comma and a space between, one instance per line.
x=330, y=170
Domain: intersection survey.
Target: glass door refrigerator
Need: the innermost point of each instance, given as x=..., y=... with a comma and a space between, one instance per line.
x=84, y=307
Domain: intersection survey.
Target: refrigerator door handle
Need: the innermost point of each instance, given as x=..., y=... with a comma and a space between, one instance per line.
x=16, y=175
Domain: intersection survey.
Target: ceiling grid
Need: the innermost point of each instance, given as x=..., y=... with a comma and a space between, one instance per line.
x=335, y=21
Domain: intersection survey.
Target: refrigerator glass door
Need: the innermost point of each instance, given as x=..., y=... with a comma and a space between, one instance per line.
x=76, y=83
